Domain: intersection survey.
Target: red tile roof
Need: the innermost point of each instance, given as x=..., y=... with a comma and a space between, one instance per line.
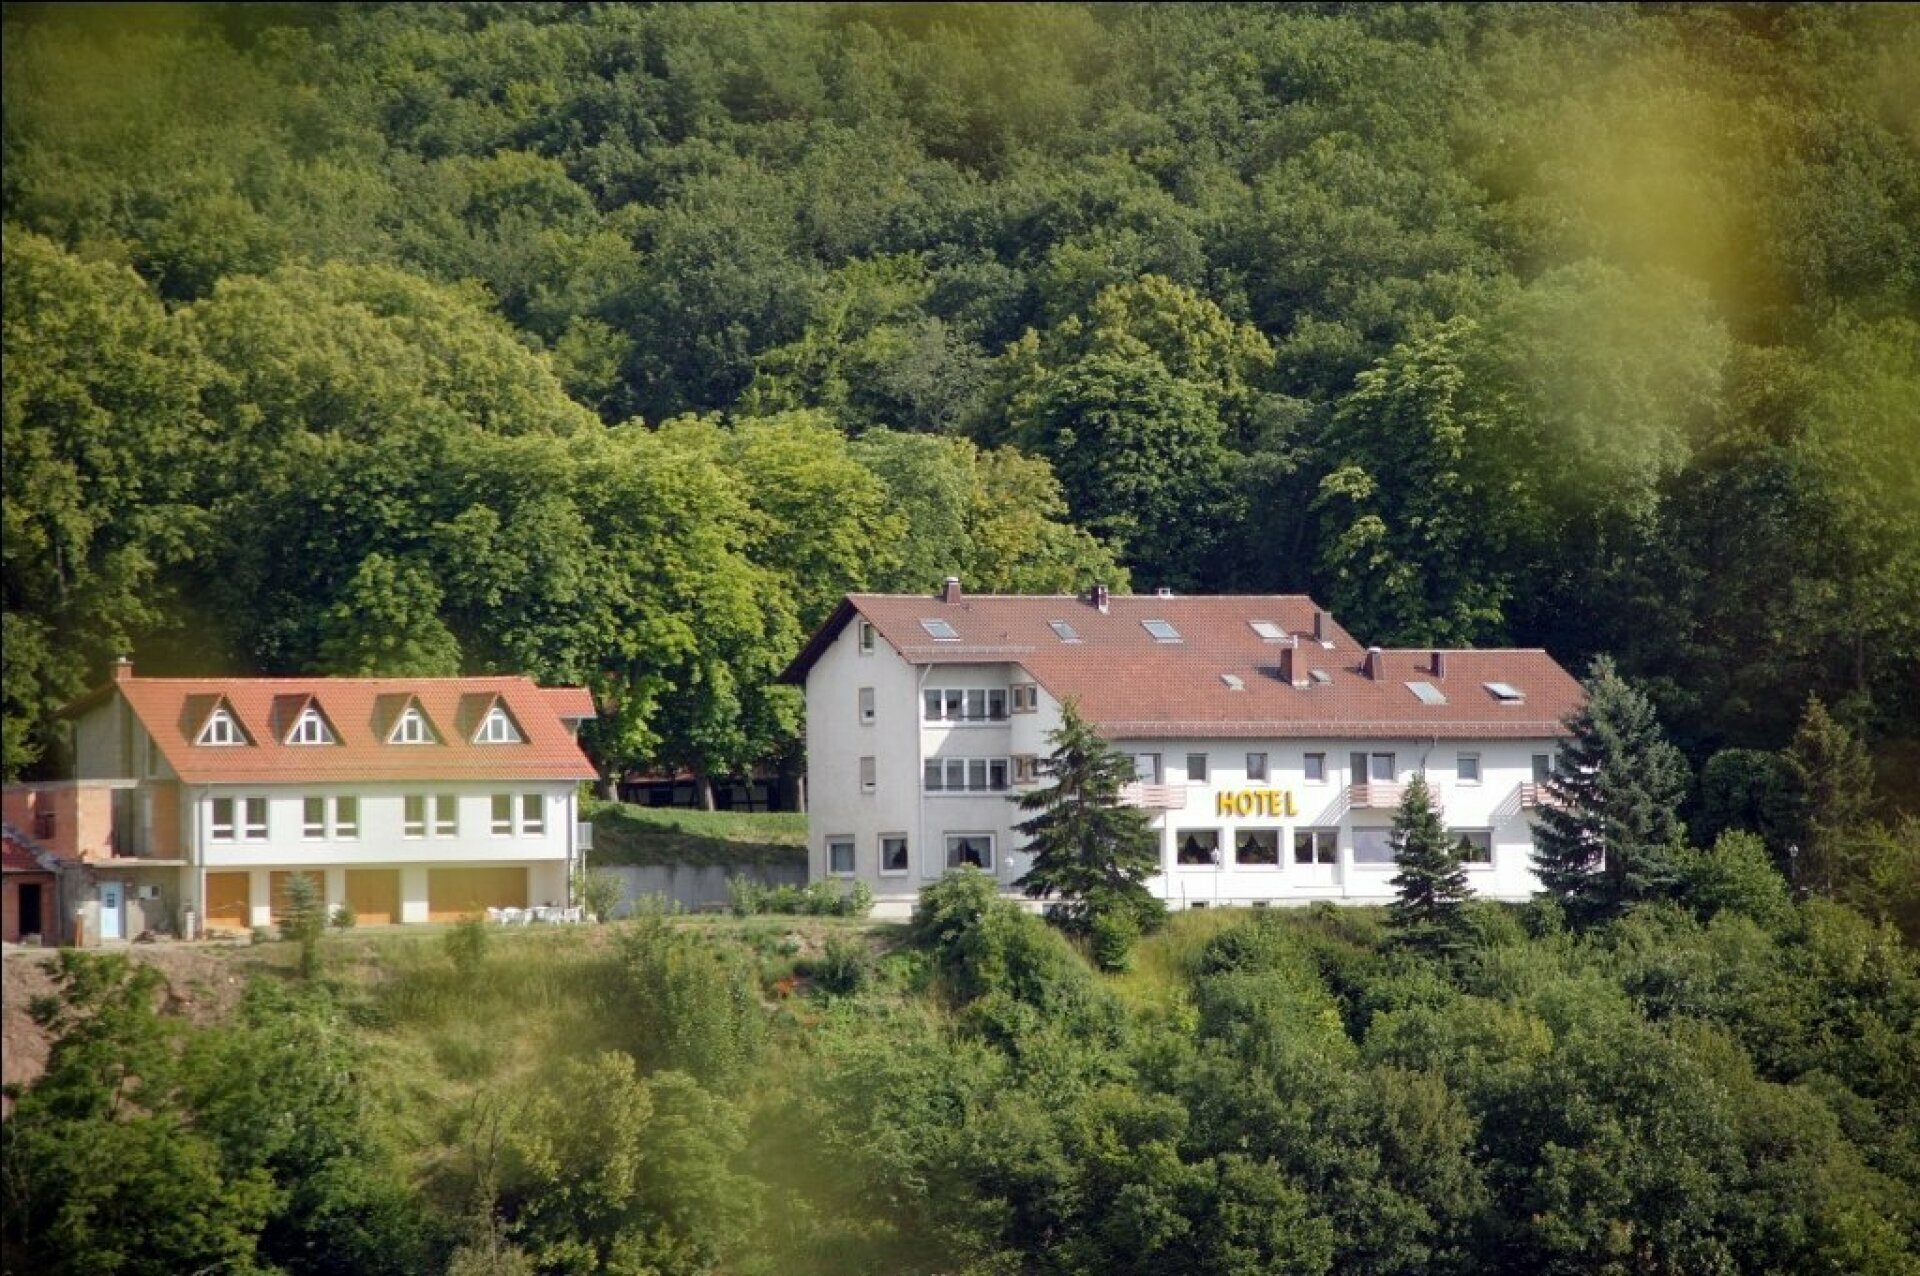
x=362, y=712
x=17, y=856
x=1132, y=686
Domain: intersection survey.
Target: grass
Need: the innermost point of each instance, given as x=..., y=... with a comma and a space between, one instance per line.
x=641, y=835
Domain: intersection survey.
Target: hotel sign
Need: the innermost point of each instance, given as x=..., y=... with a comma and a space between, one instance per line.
x=1246, y=802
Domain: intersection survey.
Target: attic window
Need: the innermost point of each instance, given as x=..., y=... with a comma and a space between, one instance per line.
x=1268, y=630
x=221, y=729
x=1506, y=692
x=1322, y=677
x=1064, y=631
x=498, y=728
x=311, y=728
x=1427, y=692
x=412, y=728
x=1233, y=682
x=940, y=631
x=1161, y=630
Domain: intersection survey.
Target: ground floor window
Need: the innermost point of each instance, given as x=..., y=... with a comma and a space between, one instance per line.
x=1373, y=846
x=1315, y=846
x=1199, y=847
x=1258, y=847
x=893, y=852
x=1475, y=846
x=840, y=855
x=970, y=850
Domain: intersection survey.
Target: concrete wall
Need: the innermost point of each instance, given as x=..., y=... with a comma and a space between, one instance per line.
x=82, y=816
x=694, y=887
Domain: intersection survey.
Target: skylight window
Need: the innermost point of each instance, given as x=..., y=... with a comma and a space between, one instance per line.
x=1322, y=677
x=1506, y=692
x=1233, y=682
x=1427, y=692
x=1268, y=630
x=412, y=728
x=940, y=631
x=1064, y=631
x=498, y=728
x=221, y=729
x=311, y=728
x=1161, y=630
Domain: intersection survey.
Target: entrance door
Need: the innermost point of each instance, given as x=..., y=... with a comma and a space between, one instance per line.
x=229, y=903
x=112, y=905
x=374, y=894
x=32, y=918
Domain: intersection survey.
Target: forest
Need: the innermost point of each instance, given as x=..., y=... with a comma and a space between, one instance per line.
x=612, y=344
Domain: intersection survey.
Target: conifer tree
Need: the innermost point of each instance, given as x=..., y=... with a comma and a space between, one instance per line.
x=1610, y=834
x=1089, y=850
x=1428, y=913
x=1832, y=781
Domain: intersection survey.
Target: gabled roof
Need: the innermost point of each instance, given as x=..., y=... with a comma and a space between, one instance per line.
x=21, y=854
x=362, y=712
x=1132, y=685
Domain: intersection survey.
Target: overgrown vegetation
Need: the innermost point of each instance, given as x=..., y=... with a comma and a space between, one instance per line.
x=639, y=835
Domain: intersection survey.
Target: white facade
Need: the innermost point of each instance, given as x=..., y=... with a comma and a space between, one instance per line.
x=870, y=741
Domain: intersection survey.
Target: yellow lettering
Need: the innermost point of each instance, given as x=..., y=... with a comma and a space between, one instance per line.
x=1223, y=802
x=1291, y=808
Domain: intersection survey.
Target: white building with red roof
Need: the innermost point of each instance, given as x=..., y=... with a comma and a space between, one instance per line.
x=1271, y=747
x=409, y=799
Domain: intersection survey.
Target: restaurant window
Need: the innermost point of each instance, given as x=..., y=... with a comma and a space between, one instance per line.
x=1257, y=848
x=1316, y=846
x=1373, y=846
x=1475, y=846
x=1199, y=847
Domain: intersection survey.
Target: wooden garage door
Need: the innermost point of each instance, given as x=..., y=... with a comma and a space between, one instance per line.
x=227, y=901
x=280, y=880
x=375, y=895
x=452, y=893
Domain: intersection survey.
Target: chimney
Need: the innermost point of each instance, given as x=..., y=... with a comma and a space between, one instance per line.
x=951, y=592
x=1372, y=666
x=1100, y=598
x=122, y=669
x=1290, y=671
x=1319, y=625
x=1163, y=592
x=1439, y=664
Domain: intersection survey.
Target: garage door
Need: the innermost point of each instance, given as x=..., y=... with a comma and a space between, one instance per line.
x=227, y=901
x=280, y=880
x=452, y=893
x=375, y=895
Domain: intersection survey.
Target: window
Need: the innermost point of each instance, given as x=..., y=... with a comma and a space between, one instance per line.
x=1233, y=681
x=1146, y=768
x=415, y=823
x=1268, y=630
x=1063, y=631
x=153, y=759
x=976, y=773
x=1026, y=697
x=931, y=706
x=446, y=815
x=533, y=815
x=955, y=704
x=933, y=780
x=1258, y=848
x=1316, y=846
x=1377, y=767
x=1199, y=847
x=1316, y=768
x=313, y=818
x=1026, y=769
x=221, y=729
x=1196, y=768
x=1373, y=846
x=1161, y=630
x=866, y=705
x=996, y=705
x=346, y=817
x=311, y=728
x=866, y=638
x=1427, y=693
x=1506, y=692
x=893, y=853
x=502, y=815
x=976, y=710
x=1474, y=846
x=412, y=728
x=1466, y=768
x=970, y=850
x=869, y=775
x=997, y=774
x=840, y=856
x=1256, y=767
x=940, y=631
x=222, y=830
x=498, y=729
x=256, y=813
x=1542, y=767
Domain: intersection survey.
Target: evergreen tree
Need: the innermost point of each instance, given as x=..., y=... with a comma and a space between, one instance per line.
x=1831, y=779
x=1428, y=913
x=1610, y=833
x=1088, y=849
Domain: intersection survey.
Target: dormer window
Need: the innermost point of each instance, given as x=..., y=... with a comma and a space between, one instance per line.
x=311, y=728
x=221, y=728
x=412, y=728
x=498, y=728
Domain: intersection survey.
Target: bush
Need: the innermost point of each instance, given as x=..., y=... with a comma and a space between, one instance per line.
x=599, y=893
x=845, y=968
x=305, y=920
x=344, y=918
x=1114, y=933
x=1736, y=875
x=467, y=946
x=749, y=898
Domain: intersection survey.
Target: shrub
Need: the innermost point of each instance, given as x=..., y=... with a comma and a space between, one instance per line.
x=599, y=893
x=845, y=968
x=344, y=918
x=1114, y=933
x=305, y=920
x=1736, y=875
x=467, y=946
x=745, y=895
x=749, y=898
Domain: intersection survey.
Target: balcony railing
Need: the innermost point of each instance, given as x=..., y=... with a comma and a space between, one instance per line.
x=1535, y=796
x=1154, y=797
x=1374, y=795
